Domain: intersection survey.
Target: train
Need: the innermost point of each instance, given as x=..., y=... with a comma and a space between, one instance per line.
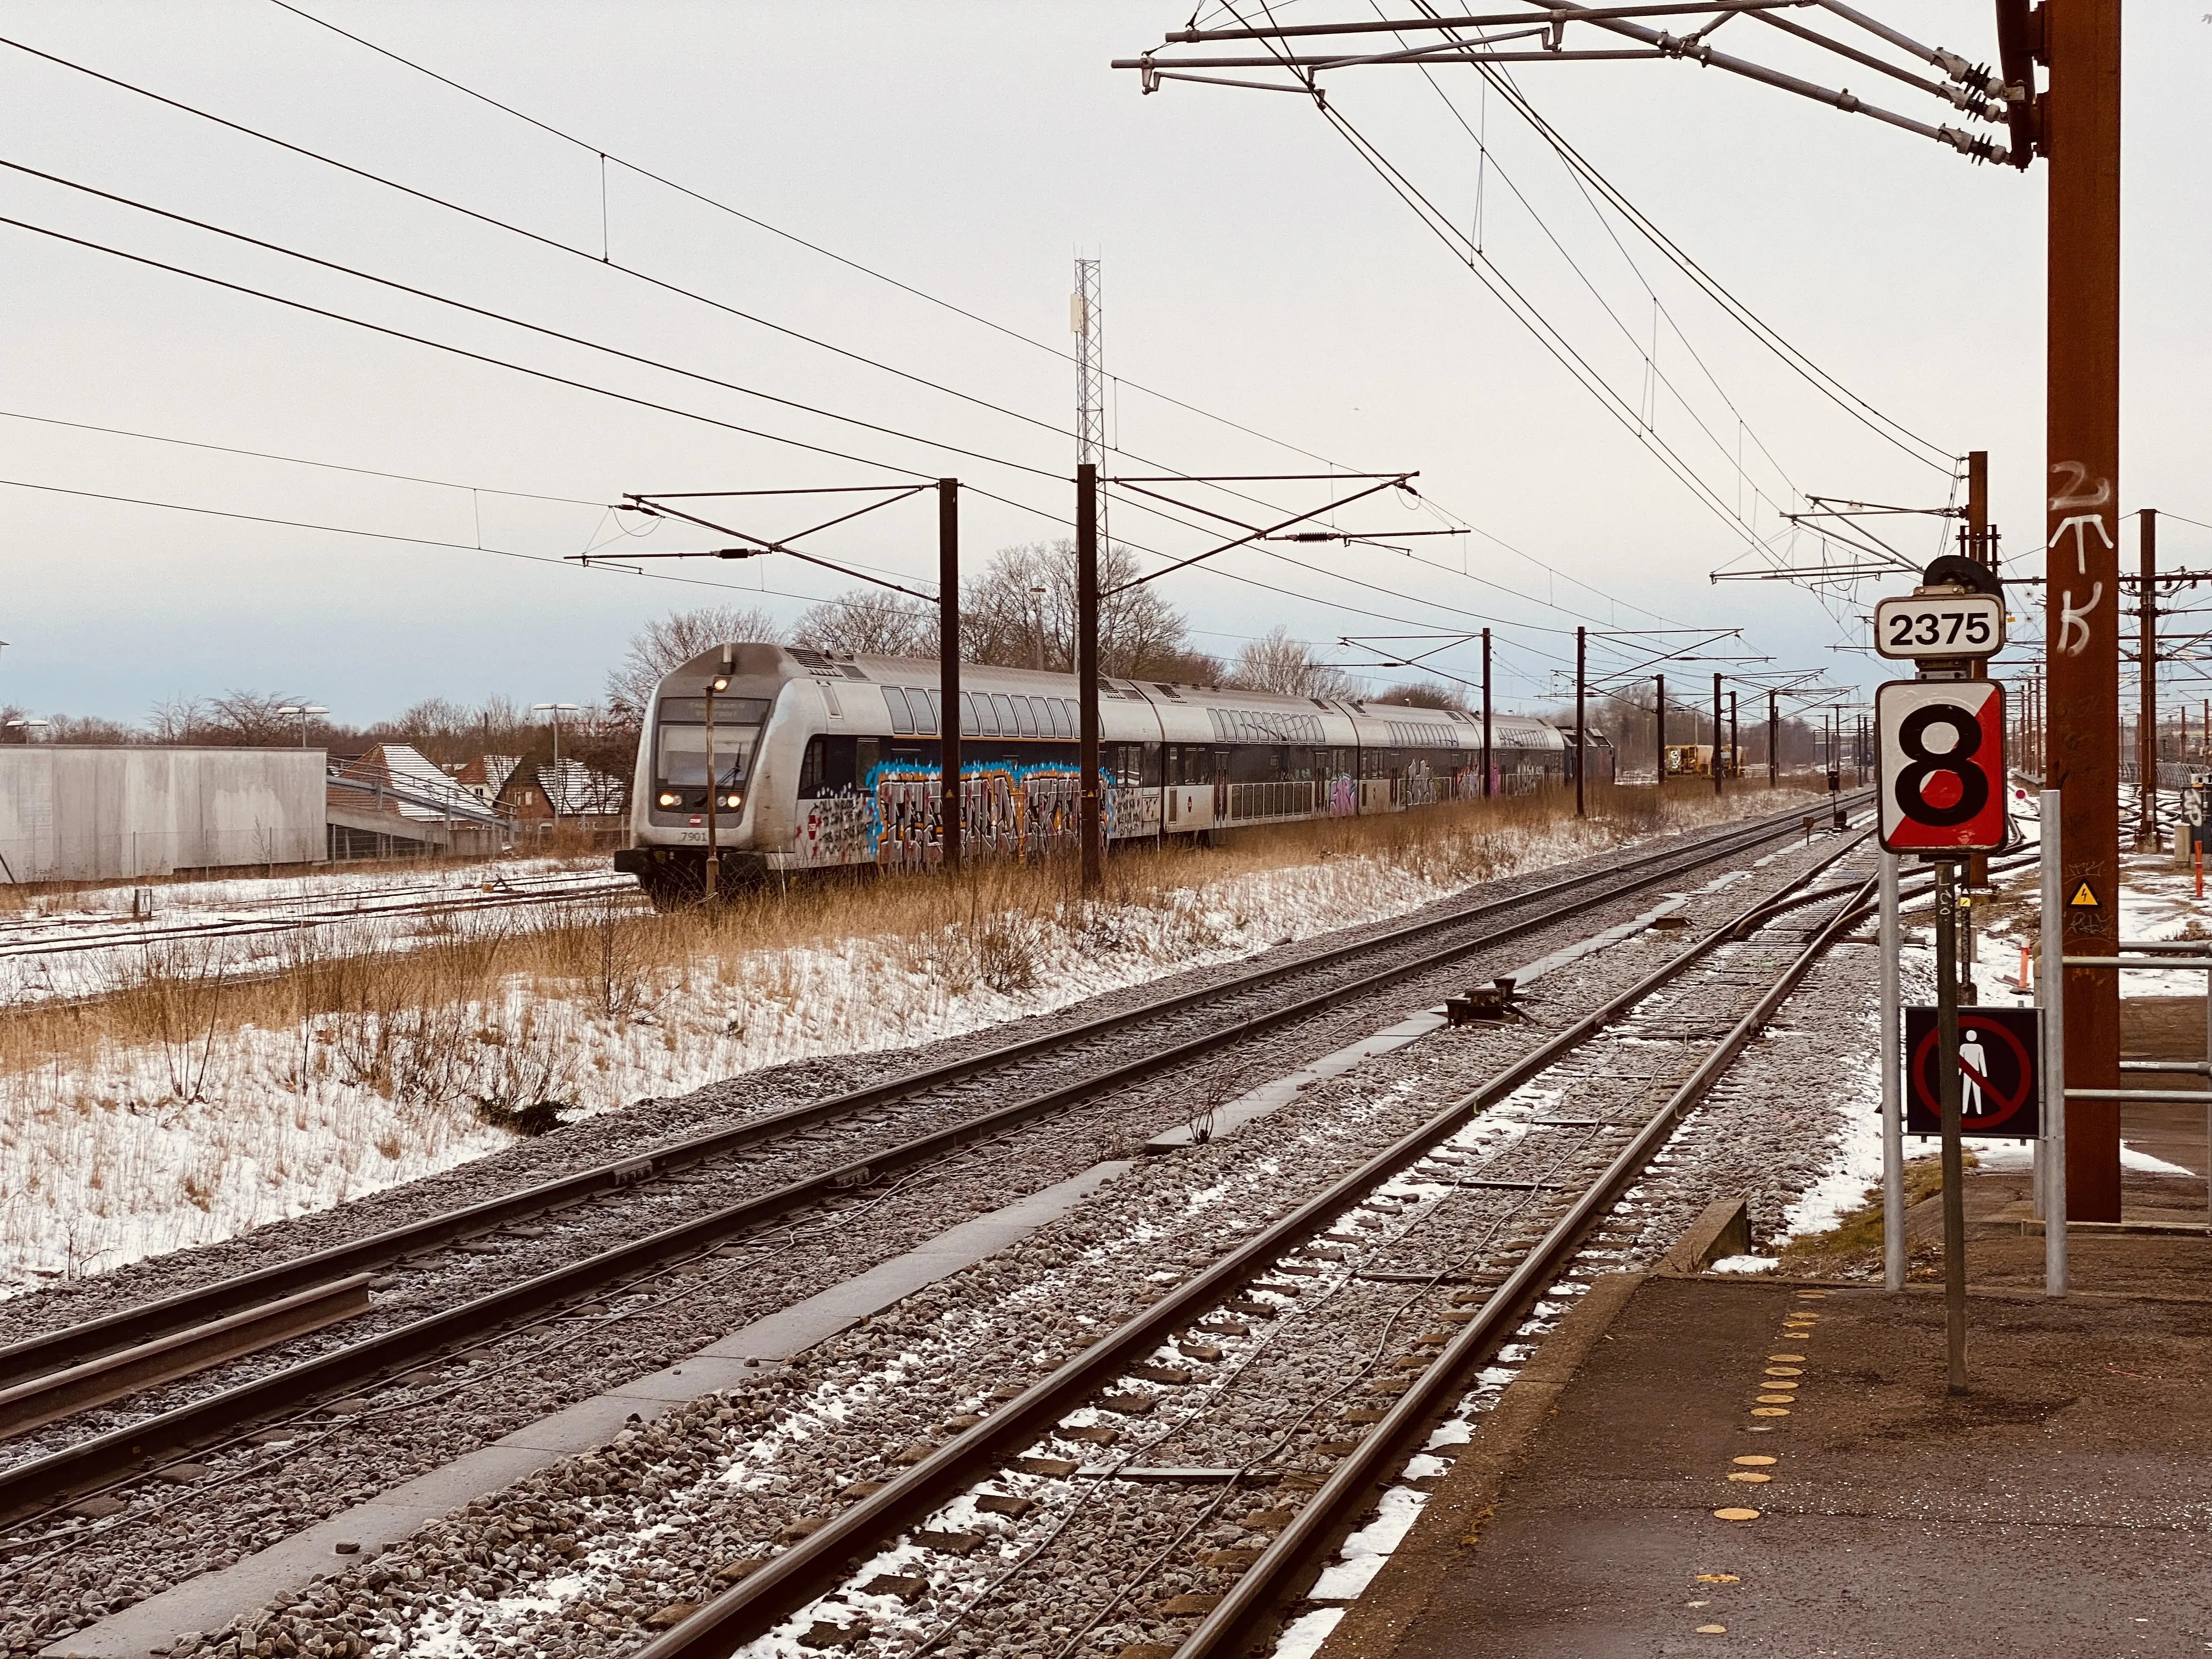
x=1695, y=760
x=827, y=761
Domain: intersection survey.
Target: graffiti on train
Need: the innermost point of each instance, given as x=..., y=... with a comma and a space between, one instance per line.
x=1020, y=811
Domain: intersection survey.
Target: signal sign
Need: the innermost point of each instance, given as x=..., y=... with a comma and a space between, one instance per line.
x=2000, y=1073
x=1942, y=765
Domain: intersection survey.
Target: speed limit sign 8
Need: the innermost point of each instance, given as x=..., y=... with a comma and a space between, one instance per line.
x=1942, y=767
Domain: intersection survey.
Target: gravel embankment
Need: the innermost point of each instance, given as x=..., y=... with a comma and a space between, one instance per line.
x=582, y=1558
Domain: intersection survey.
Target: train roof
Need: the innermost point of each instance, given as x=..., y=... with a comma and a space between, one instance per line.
x=1186, y=711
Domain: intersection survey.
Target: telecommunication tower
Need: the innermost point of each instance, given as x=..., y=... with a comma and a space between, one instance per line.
x=1084, y=317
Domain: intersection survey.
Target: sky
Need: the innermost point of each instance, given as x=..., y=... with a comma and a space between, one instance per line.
x=1298, y=316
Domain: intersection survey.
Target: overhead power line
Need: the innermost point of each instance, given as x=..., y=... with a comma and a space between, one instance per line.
x=494, y=221
x=863, y=269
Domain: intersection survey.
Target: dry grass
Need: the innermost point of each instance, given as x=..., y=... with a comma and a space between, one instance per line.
x=187, y=1102
x=411, y=1023
x=1856, y=1236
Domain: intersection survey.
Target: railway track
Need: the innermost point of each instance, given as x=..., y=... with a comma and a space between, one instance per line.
x=1471, y=1217
x=38, y=1483
x=77, y=935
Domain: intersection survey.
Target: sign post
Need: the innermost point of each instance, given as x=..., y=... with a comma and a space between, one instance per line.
x=1893, y=1108
x=1947, y=1083
x=1941, y=740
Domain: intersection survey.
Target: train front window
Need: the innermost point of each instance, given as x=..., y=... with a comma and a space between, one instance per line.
x=680, y=746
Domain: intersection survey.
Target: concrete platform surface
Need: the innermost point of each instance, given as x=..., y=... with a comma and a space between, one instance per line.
x=2063, y=1506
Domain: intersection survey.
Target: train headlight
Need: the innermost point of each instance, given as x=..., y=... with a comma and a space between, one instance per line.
x=733, y=800
x=669, y=798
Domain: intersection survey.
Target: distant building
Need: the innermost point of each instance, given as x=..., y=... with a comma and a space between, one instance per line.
x=70, y=813
x=422, y=788
x=393, y=801
x=539, y=793
x=487, y=775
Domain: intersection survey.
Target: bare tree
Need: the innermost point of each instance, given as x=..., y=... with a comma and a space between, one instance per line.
x=872, y=622
x=246, y=718
x=87, y=728
x=664, y=644
x=176, y=719
x=1276, y=662
x=1020, y=613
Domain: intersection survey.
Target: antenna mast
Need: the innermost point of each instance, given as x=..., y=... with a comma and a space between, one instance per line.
x=1086, y=318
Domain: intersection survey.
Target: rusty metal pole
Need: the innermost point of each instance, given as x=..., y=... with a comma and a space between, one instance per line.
x=1773, y=753
x=951, y=806
x=1659, y=738
x=1582, y=643
x=2081, y=136
x=1979, y=548
x=2147, y=675
x=1485, y=715
x=1717, y=735
x=1086, y=669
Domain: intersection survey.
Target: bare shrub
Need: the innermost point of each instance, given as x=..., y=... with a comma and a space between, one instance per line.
x=1007, y=946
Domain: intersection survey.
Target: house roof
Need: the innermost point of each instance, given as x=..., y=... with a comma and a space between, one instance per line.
x=575, y=790
x=401, y=766
x=492, y=771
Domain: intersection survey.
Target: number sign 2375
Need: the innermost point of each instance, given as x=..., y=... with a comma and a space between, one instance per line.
x=1949, y=625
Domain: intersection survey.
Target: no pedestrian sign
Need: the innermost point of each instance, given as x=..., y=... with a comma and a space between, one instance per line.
x=2000, y=1073
x=1942, y=765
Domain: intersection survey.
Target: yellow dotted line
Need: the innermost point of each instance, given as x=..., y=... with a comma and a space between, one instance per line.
x=1778, y=1395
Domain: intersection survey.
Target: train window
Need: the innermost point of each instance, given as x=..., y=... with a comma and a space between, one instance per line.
x=1003, y=706
x=830, y=696
x=901, y=716
x=1025, y=720
x=924, y=704
x=968, y=725
x=1058, y=707
x=1153, y=776
x=826, y=769
x=867, y=754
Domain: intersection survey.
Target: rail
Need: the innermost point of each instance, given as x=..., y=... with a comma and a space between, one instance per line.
x=819, y=1561
x=37, y=1484
x=49, y=1352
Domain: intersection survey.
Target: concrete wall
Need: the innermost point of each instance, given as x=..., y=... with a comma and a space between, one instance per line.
x=90, y=814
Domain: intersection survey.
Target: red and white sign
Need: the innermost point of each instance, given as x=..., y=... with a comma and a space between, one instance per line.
x=1942, y=767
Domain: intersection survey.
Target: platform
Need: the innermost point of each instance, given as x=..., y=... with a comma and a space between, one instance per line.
x=2063, y=1506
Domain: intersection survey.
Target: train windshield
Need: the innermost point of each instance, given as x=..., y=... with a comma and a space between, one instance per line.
x=681, y=758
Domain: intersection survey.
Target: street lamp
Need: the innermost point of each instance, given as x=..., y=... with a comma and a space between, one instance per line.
x=555, y=709
x=303, y=709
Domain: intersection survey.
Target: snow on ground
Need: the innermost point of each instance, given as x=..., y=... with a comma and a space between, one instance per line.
x=159, y=1147
x=86, y=943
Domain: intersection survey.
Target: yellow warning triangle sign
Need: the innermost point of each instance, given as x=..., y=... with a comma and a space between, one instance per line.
x=2085, y=898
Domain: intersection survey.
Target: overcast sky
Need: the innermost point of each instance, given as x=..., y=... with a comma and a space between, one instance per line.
x=1255, y=267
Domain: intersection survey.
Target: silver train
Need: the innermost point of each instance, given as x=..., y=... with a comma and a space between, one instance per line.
x=825, y=761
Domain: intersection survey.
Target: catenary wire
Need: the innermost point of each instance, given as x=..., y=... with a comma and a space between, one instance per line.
x=604, y=156
x=572, y=339
x=555, y=244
